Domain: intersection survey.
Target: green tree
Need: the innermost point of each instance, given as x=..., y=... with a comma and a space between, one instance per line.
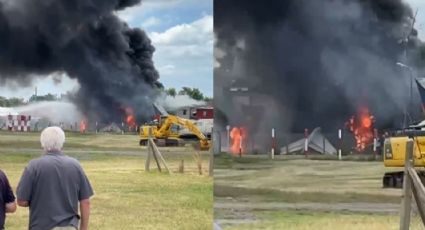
x=193, y=93
x=171, y=92
x=208, y=99
x=47, y=97
x=14, y=101
x=11, y=102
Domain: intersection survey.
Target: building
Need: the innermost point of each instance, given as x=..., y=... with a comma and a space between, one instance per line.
x=195, y=113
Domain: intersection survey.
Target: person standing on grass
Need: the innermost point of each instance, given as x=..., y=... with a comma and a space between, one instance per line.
x=7, y=199
x=53, y=185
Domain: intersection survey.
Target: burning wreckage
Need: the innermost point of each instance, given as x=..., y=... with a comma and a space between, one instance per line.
x=286, y=69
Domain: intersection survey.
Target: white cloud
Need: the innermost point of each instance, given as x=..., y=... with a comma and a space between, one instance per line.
x=151, y=21
x=184, y=54
x=132, y=14
x=194, y=33
x=167, y=69
x=186, y=40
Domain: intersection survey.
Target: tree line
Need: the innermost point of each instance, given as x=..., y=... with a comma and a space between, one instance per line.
x=14, y=101
x=193, y=93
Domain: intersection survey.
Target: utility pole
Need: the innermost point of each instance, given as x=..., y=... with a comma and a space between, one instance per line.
x=407, y=114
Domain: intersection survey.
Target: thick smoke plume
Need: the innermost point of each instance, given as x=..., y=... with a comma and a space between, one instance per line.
x=309, y=63
x=87, y=41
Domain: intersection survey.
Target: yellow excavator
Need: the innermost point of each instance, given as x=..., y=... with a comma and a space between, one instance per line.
x=165, y=132
x=394, y=149
x=394, y=154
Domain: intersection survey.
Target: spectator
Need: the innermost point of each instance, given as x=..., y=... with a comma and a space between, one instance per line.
x=7, y=199
x=53, y=185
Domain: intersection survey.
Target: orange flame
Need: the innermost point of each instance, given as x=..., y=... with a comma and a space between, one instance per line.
x=238, y=136
x=130, y=118
x=362, y=128
x=83, y=126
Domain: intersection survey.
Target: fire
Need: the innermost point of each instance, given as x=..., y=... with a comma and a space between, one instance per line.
x=238, y=136
x=130, y=119
x=362, y=128
x=83, y=126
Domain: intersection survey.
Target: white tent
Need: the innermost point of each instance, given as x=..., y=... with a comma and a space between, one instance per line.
x=315, y=141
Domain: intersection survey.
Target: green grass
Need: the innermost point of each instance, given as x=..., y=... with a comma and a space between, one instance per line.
x=126, y=197
x=257, y=185
x=329, y=179
x=273, y=195
x=297, y=220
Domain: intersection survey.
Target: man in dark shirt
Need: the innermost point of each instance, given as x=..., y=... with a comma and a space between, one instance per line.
x=7, y=199
x=53, y=185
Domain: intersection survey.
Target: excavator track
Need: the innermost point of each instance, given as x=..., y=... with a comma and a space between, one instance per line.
x=395, y=179
x=163, y=142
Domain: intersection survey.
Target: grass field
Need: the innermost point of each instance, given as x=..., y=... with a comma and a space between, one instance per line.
x=256, y=193
x=302, y=220
x=126, y=197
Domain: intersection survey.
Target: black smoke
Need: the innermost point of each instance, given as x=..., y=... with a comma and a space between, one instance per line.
x=313, y=63
x=86, y=40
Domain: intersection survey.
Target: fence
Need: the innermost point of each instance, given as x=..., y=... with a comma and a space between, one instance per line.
x=412, y=187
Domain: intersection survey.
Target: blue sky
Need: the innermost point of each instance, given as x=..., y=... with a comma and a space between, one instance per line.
x=181, y=31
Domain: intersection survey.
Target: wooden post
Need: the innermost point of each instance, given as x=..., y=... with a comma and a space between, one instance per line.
x=198, y=159
x=156, y=158
x=407, y=188
x=211, y=166
x=229, y=144
x=419, y=203
x=181, y=167
x=200, y=164
x=340, y=144
x=273, y=145
x=240, y=142
x=156, y=151
x=375, y=143
x=306, y=143
x=148, y=159
x=150, y=150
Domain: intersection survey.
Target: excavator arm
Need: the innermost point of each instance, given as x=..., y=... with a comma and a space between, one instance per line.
x=171, y=119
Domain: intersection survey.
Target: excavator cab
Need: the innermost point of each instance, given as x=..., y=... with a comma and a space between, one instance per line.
x=394, y=154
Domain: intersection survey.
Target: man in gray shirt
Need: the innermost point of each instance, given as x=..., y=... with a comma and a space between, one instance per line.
x=53, y=185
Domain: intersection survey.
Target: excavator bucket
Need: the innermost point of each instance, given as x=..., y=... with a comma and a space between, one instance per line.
x=202, y=145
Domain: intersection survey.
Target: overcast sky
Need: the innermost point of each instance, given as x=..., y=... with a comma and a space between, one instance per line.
x=420, y=19
x=182, y=32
